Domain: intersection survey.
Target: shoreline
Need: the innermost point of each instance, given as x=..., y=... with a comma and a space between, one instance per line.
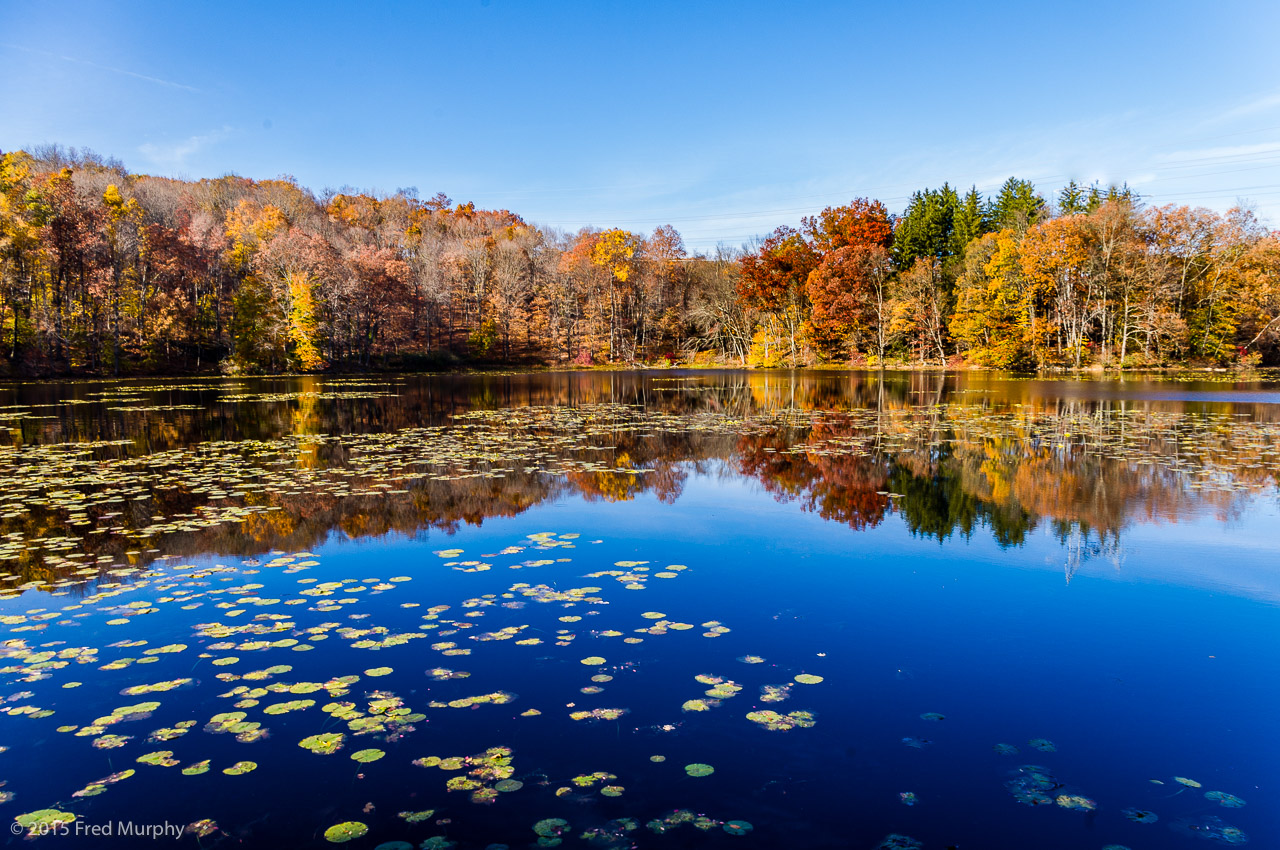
x=1263, y=373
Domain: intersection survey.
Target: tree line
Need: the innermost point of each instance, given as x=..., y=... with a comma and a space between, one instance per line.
x=107, y=272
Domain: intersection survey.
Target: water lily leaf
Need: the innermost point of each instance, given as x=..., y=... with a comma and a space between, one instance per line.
x=341, y=833
x=324, y=743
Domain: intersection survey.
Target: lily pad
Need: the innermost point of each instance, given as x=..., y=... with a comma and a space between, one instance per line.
x=416, y=817
x=699, y=769
x=894, y=841
x=341, y=833
x=43, y=821
x=1140, y=816
x=324, y=743
x=1075, y=801
x=551, y=827
x=1222, y=798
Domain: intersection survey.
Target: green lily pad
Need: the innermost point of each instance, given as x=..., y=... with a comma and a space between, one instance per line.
x=416, y=817
x=42, y=821
x=325, y=743
x=551, y=827
x=341, y=833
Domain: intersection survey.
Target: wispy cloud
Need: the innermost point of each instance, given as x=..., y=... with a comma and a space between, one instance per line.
x=1266, y=103
x=174, y=156
x=113, y=70
x=1193, y=156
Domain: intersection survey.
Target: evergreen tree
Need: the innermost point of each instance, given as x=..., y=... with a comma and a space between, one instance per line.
x=1017, y=206
x=926, y=229
x=1072, y=199
x=969, y=222
x=1098, y=196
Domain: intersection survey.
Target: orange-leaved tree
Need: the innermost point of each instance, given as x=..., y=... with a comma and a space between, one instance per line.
x=848, y=289
x=772, y=280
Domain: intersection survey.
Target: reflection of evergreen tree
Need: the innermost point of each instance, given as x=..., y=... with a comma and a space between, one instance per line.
x=933, y=506
x=1008, y=524
x=938, y=506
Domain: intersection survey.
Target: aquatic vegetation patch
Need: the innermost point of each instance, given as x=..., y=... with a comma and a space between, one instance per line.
x=775, y=722
x=1140, y=815
x=43, y=821
x=324, y=743
x=1210, y=828
x=1222, y=798
x=341, y=833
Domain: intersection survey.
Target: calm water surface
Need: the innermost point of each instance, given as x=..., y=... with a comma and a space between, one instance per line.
x=977, y=611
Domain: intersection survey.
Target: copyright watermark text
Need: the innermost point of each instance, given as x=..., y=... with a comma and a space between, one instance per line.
x=109, y=829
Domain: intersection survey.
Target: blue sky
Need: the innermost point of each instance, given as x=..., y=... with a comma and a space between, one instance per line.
x=722, y=119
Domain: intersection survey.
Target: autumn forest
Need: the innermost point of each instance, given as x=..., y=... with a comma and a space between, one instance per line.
x=104, y=272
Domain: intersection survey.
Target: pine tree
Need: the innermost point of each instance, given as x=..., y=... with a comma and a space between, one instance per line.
x=1017, y=206
x=1072, y=200
x=926, y=229
x=1098, y=196
x=969, y=222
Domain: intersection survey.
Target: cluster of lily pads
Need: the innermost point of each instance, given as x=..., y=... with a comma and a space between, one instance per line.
x=262, y=693
x=1035, y=785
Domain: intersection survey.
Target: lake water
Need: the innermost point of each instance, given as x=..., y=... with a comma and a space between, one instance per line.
x=972, y=611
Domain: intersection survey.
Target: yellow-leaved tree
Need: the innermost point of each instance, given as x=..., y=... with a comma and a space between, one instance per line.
x=301, y=321
x=615, y=252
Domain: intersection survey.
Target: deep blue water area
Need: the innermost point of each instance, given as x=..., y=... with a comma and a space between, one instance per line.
x=1088, y=577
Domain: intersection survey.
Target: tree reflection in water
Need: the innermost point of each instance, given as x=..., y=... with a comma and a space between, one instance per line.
x=950, y=455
